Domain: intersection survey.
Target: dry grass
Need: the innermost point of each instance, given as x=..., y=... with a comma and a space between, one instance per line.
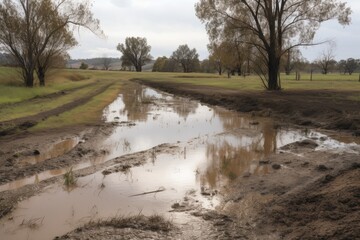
x=153, y=223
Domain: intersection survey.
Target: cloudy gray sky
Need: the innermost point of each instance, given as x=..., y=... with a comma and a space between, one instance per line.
x=168, y=23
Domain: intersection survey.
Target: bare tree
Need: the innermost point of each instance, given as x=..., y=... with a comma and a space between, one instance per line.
x=28, y=27
x=135, y=51
x=272, y=27
x=106, y=62
x=326, y=61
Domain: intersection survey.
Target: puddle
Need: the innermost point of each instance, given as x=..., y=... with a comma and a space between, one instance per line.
x=215, y=146
x=52, y=151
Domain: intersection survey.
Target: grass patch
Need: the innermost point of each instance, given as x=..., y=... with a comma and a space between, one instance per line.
x=253, y=83
x=39, y=105
x=87, y=114
x=70, y=178
x=13, y=91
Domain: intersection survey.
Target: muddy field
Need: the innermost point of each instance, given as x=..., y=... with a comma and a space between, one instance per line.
x=164, y=167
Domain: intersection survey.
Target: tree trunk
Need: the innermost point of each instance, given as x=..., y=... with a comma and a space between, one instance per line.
x=288, y=62
x=239, y=70
x=138, y=68
x=41, y=75
x=28, y=78
x=273, y=72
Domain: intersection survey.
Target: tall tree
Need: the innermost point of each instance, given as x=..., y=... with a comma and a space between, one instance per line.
x=270, y=26
x=290, y=60
x=187, y=58
x=349, y=65
x=136, y=51
x=326, y=61
x=106, y=62
x=54, y=54
x=28, y=27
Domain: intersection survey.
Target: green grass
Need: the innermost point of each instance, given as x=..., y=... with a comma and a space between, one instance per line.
x=320, y=81
x=70, y=178
x=87, y=114
x=12, y=91
x=44, y=104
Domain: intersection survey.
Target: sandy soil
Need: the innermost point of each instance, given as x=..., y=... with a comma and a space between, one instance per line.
x=307, y=194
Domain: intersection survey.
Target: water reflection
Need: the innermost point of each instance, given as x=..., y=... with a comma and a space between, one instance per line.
x=229, y=156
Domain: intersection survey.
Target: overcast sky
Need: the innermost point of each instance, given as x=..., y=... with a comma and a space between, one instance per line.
x=169, y=23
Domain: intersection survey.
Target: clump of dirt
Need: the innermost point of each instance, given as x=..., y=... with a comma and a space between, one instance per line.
x=138, y=227
x=328, y=208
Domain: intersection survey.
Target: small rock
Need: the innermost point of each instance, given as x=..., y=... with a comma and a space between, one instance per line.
x=264, y=162
x=246, y=175
x=176, y=205
x=305, y=164
x=36, y=152
x=106, y=172
x=276, y=166
x=322, y=168
x=327, y=178
x=254, y=123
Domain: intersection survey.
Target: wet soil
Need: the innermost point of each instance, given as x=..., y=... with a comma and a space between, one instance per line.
x=326, y=109
x=302, y=190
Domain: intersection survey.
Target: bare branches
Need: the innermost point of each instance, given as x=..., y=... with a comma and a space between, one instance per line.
x=273, y=27
x=34, y=32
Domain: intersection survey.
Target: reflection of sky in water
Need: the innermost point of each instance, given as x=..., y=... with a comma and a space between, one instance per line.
x=217, y=146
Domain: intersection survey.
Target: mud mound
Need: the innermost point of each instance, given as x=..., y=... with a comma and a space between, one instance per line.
x=139, y=227
x=327, y=209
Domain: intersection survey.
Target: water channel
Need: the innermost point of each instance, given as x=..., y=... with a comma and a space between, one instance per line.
x=214, y=146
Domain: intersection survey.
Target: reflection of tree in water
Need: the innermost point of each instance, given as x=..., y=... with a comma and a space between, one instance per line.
x=226, y=161
x=137, y=103
x=184, y=107
x=133, y=98
x=231, y=120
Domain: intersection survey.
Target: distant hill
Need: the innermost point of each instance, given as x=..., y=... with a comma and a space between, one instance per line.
x=98, y=63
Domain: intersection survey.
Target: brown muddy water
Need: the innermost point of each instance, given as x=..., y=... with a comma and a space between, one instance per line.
x=214, y=147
